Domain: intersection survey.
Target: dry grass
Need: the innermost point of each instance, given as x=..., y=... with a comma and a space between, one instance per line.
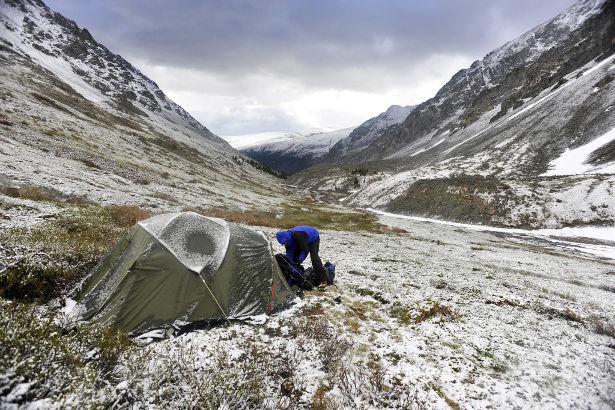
x=36, y=194
x=41, y=194
x=568, y=314
x=600, y=327
x=128, y=215
x=435, y=310
x=88, y=162
x=164, y=196
x=302, y=213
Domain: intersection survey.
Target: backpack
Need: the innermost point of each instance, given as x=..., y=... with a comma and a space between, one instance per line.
x=305, y=279
x=331, y=270
x=293, y=273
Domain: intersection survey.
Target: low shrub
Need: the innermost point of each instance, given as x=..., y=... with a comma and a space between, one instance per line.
x=52, y=363
x=401, y=312
x=46, y=260
x=435, y=310
x=128, y=215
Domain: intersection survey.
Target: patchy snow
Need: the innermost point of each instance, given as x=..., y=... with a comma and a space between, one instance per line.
x=371, y=129
x=573, y=162
x=427, y=149
x=522, y=337
x=606, y=233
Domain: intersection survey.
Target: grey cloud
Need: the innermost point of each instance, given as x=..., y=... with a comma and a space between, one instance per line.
x=246, y=120
x=316, y=42
x=255, y=56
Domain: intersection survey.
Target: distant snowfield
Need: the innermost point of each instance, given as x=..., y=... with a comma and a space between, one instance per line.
x=606, y=233
x=572, y=162
x=248, y=140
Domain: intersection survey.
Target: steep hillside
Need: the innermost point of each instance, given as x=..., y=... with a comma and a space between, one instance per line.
x=290, y=153
x=78, y=121
x=368, y=132
x=481, y=149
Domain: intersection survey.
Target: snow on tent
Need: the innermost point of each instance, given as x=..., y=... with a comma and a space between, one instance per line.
x=181, y=268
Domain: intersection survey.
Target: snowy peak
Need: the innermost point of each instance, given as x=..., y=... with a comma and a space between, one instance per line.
x=58, y=44
x=523, y=137
x=370, y=130
x=290, y=153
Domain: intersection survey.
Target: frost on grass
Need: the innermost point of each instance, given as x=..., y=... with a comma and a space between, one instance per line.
x=430, y=316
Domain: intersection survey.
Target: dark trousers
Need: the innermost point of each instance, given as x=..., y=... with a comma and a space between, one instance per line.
x=320, y=270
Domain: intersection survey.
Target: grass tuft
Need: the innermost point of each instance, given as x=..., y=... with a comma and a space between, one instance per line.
x=435, y=310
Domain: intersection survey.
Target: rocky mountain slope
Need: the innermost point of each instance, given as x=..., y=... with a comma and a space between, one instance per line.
x=481, y=149
x=79, y=121
x=369, y=131
x=290, y=153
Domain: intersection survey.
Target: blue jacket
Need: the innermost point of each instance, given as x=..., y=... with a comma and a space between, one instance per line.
x=298, y=239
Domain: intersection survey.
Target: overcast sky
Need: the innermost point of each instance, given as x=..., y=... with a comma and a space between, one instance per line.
x=283, y=65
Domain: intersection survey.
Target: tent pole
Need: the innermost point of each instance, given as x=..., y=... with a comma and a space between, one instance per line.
x=216, y=300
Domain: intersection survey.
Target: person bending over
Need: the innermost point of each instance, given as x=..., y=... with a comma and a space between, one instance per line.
x=301, y=240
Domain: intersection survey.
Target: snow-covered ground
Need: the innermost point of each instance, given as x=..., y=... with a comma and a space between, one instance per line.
x=573, y=162
x=601, y=238
x=520, y=326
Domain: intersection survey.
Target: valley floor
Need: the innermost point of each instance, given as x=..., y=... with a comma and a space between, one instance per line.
x=512, y=325
x=437, y=316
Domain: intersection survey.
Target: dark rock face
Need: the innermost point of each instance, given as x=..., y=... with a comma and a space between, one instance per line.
x=286, y=163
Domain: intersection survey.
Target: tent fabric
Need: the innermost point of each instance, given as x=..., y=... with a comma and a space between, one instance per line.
x=179, y=268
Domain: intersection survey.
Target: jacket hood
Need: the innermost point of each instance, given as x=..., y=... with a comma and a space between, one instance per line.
x=284, y=236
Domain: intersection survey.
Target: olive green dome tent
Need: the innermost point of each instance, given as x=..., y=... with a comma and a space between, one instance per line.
x=179, y=268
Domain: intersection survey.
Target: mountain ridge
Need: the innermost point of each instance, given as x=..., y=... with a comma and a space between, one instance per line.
x=66, y=95
x=290, y=153
x=480, y=154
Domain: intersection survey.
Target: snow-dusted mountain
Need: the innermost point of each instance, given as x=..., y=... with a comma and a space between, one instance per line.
x=369, y=131
x=83, y=121
x=482, y=148
x=290, y=153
